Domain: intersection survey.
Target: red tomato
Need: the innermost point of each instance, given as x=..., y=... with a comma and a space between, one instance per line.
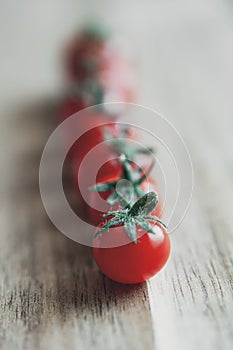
x=84, y=56
x=89, y=140
x=69, y=106
x=91, y=121
x=105, y=156
x=131, y=263
x=83, y=179
x=110, y=171
x=85, y=173
x=108, y=174
x=99, y=58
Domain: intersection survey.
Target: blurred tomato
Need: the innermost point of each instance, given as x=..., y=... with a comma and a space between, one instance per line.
x=96, y=57
x=107, y=174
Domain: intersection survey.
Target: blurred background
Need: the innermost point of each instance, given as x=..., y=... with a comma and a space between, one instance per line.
x=179, y=41
x=184, y=56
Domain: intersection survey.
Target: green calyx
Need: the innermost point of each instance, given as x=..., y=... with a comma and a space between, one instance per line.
x=125, y=195
x=88, y=90
x=138, y=214
x=120, y=145
x=97, y=31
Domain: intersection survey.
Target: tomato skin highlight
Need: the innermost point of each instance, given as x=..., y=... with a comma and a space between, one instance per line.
x=131, y=263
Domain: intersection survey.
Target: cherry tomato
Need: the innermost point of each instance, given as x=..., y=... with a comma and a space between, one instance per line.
x=131, y=263
x=95, y=57
x=110, y=173
x=89, y=121
x=69, y=106
x=105, y=155
x=85, y=173
x=82, y=179
x=84, y=55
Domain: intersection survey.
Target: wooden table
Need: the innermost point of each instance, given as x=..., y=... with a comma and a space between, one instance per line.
x=52, y=294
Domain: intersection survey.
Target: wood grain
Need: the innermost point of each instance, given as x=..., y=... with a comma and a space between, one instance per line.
x=52, y=294
x=193, y=298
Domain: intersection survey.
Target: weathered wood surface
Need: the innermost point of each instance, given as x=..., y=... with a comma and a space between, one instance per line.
x=193, y=297
x=52, y=295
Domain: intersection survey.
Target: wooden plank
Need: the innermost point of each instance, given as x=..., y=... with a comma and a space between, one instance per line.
x=52, y=294
x=192, y=300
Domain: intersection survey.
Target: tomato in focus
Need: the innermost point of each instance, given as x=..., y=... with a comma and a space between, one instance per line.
x=131, y=263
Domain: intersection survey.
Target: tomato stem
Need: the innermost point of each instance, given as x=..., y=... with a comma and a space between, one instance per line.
x=135, y=214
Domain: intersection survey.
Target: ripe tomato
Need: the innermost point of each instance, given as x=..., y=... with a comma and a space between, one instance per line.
x=108, y=174
x=94, y=56
x=83, y=175
x=104, y=155
x=131, y=263
x=69, y=106
x=90, y=121
x=110, y=171
x=83, y=55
